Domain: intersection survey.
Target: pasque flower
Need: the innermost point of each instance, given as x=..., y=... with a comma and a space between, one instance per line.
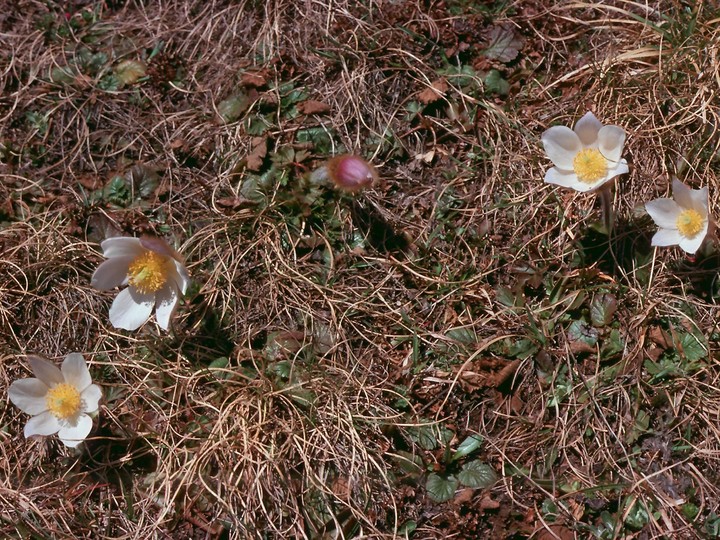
x=154, y=274
x=585, y=157
x=683, y=220
x=59, y=400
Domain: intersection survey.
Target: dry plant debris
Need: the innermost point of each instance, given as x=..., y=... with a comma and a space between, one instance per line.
x=459, y=350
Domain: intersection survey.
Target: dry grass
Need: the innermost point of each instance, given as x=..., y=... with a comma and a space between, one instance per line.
x=322, y=330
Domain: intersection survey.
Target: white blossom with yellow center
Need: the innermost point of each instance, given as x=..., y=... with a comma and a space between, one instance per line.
x=683, y=220
x=587, y=157
x=155, y=277
x=59, y=400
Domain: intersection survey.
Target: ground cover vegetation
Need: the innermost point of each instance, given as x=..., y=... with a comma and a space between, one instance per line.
x=457, y=350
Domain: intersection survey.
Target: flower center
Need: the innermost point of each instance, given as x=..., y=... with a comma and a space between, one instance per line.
x=690, y=222
x=149, y=272
x=64, y=401
x=590, y=165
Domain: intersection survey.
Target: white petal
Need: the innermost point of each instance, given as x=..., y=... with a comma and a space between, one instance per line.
x=111, y=273
x=587, y=128
x=610, y=142
x=91, y=397
x=159, y=246
x=166, y=301
x=46, y=371
x=566, y=179
x=664, y=212
x=666, y=237
x=121, y=246
x=561, y=146
x=131, y=309
x=691, y=245
x=75, y=371
x=182, y=279
x=700, y=201
x=29, y=395
x=42, y=424
x=73, y=435
x=697, y=199
x=621, y=167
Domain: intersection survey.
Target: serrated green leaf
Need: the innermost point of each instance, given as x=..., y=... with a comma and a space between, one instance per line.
x=613, y=344
x=495, y=83
x=468, y=446
x=602, y=309
x=692, y=347
x=476, y=474
x=441, y=488
x=581, y=331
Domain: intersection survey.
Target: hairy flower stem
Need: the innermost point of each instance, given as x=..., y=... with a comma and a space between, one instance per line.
x=605, y=195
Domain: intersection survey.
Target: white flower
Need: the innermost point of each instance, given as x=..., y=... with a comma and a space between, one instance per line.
x=59, y=400
x=683, y=220
x=586, y=157
x=154, y=274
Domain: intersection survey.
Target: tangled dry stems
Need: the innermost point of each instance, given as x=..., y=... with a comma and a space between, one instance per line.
x=181, y=444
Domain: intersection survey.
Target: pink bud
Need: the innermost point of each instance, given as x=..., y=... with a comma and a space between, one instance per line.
x=351, y=173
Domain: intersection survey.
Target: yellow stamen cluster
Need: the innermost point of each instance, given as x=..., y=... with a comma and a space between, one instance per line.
x=149, y=272
x=690, y=222
x=64, y=401
x=590, y=165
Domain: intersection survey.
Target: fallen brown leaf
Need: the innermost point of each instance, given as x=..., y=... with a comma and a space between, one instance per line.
x=312, y=106
x=256, y=156
x=435, y=91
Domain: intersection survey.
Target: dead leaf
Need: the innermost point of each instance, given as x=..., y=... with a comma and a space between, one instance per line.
x=312, y=106
x=254, y=79
x=503, y=44
x=234, y=203
x=660, y=337
x=556, y=532
x=464, y=496
x=486, y=503
x=435, y=91
x=256, y=156
x=89, y=181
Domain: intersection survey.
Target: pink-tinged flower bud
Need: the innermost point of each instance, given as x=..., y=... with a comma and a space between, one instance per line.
x=351, y=173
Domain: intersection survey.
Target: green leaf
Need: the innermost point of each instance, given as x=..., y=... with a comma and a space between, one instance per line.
x=638, y=516
x=691, y=346
x=117, y=192
x=63, y=75
x=219, y=363
x=407, y=528
x=144, y=180
x=408, y=462
x=441, y=488
x=423, y=435
x=613, y=344
x=231, y=108
x=640, y=426
x=496, y=84
x=602, y=309
x=582, y=332
x=476, y=474
x=463, y=334
x=468, y=446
